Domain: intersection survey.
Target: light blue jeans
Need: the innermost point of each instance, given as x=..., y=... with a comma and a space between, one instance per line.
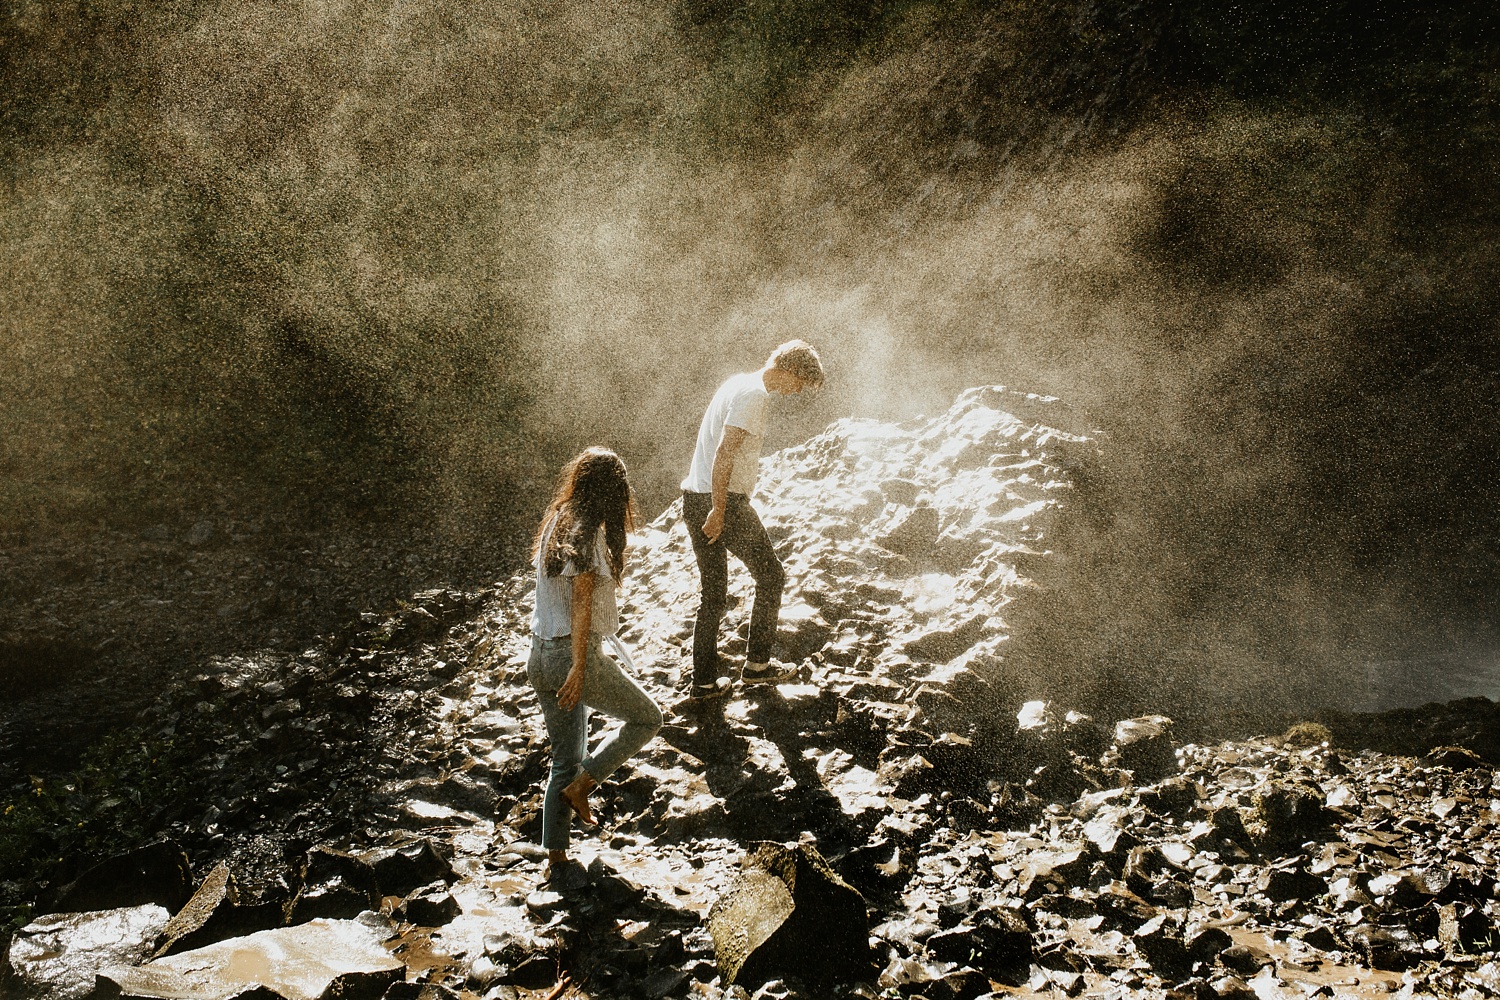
x=606, y=688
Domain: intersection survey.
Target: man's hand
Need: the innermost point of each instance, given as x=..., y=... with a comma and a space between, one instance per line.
x=572, y=689
x=724, y=456
x=714, y=526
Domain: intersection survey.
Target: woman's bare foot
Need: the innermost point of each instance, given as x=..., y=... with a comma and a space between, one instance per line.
x=577, y=796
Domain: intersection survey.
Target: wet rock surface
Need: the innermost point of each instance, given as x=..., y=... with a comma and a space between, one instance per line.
x=995, y=844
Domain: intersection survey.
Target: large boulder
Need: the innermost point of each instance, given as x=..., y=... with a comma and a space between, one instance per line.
x=789, y=914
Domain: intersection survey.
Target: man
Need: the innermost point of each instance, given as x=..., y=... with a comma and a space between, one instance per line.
x=720, y=520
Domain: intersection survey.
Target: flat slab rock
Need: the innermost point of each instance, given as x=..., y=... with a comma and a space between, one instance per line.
x=297, y=962
x=56, y=957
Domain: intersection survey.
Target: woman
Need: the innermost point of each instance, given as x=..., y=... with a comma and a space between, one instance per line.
x=579, y=556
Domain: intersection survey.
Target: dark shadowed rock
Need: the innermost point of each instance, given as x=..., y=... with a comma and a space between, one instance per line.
x=418, y=991
x=157, y=873
x=1284, y=814
x=1205, y=943
x=369, y=984
x=1245, y=960
x=788, y=913
x=334, y=885
x=944, y=644
x=1295, y=883
x=1144, y=746
x=1463, y=928
x=1321, y=938
x=1016, y=807
x=1455, y=758
x=400, y=869
x=902, y=491
x=1172, y=796
x=1394, y=948
x=431, y=906
x=995, y=940
x=913, y=534
x=1122, y=908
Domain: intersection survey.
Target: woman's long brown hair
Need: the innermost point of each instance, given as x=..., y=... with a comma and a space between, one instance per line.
x=592, y=492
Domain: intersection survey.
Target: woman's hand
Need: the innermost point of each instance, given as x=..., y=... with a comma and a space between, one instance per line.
x=572, y=689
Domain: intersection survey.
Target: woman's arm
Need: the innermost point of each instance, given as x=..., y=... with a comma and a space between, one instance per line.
x=582, y=621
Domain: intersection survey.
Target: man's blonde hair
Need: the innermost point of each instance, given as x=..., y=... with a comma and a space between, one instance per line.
x=798, y=358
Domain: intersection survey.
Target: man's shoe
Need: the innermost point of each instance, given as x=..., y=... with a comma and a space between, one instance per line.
x=705, y=695
x=767, y=673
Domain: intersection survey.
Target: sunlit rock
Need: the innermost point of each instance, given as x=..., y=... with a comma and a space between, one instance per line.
x=56, y=957
x=298, y=963
x=214, y=914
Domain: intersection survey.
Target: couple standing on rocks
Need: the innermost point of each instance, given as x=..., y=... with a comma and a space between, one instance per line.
x=579, y=555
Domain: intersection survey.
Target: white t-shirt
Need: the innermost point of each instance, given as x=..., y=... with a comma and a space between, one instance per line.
x=553, y=614
x=740, y=402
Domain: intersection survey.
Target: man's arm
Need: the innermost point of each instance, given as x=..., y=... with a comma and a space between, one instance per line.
x=582, y=619
x=724, y=456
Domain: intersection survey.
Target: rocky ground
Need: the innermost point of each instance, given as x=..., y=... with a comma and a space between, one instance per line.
x=355, y=818
x=92, y=627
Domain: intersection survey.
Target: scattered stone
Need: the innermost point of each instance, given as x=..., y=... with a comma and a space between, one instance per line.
x=1079, y=856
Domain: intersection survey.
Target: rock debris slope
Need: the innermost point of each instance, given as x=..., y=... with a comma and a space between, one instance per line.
x=997, y=846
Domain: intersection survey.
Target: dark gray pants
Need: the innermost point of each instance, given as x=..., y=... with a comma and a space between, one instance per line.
x=746, y=537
